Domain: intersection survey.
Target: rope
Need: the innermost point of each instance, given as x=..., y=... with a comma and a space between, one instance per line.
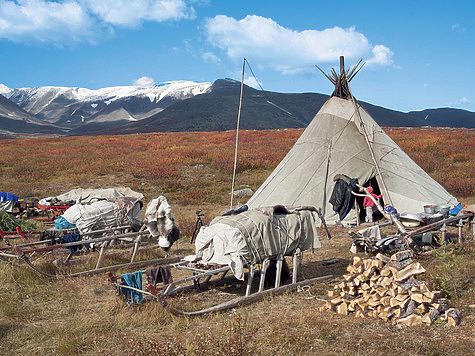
x=296, y=119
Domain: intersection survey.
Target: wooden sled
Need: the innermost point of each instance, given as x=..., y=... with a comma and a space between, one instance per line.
x=23, y=251
x=203, y=278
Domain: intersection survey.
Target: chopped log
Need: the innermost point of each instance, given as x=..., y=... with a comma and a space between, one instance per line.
x=431, y=316
x=383, y=258
x=336, y=301
x=409, y=271
x=410, y=320
x=342, y=308
x=332, y=293
x=369, y=272
x=431, y=297
x=417, y=297
x=395, y=266
x=357, y=261
x=424, y=288
x=378, y=264
x=453, y=317
x=409, y=309
x=402, y=255
x=386, y=301
x=360, y=314
x=421, y=309
x=385, y=271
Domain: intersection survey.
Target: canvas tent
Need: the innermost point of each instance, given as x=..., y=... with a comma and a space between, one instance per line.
x=344, y=139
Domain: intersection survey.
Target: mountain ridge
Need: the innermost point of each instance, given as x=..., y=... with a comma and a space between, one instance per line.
x=183, y=106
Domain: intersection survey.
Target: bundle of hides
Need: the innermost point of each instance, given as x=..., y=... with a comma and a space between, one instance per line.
x=104, y=214
x=254, y=235
x=160, y=223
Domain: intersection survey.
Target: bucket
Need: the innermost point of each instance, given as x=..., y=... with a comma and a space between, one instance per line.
x=430, y=209
x=444, y=210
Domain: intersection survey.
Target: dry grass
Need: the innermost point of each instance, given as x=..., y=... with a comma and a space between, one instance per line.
x=85, y=316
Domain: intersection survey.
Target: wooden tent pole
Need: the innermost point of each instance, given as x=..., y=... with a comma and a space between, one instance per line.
x=378, y=170
x=324, y=200
x=237, y=133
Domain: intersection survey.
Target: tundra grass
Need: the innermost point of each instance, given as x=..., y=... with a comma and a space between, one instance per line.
x=85, y=316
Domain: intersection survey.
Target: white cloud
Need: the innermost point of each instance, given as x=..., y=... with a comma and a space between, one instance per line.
x=133, y=13
x=64, y=21
x=44, y=21
x=382, y=55
x=144, y=82
x=210, y=57
x=286, y=50
x=252, y=82
x=460, y=102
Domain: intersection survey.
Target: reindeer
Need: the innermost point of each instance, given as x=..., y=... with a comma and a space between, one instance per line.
x=160, y=223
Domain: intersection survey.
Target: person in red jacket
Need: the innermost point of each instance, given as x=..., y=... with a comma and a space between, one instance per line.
x=369, y=205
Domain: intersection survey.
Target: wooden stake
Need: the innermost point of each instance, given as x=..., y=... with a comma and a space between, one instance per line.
x=279, y=271
x=101, y=254
x=265, y=264
x=250, y=277
x=357, y=213
x=295, y=260
x=460, y=226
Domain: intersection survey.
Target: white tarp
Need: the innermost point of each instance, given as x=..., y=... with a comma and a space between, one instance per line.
x=223, y=245
x=89, y=195
x=104, y=214
x=7, y=206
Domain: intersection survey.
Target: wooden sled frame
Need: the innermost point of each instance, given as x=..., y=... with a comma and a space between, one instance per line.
x=162, y=292
x=23, y=250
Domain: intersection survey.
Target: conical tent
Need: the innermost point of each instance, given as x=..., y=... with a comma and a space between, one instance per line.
x=344, y=139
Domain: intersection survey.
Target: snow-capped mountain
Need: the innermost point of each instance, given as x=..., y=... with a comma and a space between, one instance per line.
x=16, y=122
x=76, y=107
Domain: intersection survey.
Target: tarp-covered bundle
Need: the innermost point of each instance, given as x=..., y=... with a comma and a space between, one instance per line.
x=98, y=209
x=7, y=201
x=90, y=195
x=255, y=235
x=339, y=140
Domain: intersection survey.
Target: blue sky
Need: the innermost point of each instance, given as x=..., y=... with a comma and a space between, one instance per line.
x=419, y=54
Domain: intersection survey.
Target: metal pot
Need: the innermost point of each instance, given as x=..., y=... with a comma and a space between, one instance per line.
x=444, y=210
x=430, y=209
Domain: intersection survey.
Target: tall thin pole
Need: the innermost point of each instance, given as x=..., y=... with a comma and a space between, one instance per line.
x=237, y=133
x=378, y=170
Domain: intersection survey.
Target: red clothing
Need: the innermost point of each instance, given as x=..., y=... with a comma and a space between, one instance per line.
x=367, y=200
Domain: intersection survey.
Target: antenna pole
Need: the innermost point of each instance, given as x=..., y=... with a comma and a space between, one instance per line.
x=237, y=133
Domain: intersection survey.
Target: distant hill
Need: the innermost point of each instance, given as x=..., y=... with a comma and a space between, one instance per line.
x=16, y=122
x=182, y=106
x=216, y=110
x=447, y=117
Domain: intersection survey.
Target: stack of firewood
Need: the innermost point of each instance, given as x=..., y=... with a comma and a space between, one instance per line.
x=387, y=288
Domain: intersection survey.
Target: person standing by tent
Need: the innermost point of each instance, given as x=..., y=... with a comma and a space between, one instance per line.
x=369, y=204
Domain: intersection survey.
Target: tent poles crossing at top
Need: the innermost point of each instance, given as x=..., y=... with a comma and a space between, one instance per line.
x=237, y=133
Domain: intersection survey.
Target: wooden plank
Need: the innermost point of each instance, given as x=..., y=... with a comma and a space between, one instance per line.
x=249, y=299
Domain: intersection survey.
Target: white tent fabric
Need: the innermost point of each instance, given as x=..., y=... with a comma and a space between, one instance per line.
x=334, y=143
x=90, y=195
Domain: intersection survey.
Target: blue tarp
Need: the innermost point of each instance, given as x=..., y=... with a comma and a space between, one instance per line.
x=61, y=223
x=8, y=197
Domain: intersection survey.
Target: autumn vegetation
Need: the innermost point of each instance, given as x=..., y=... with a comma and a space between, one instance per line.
x=194, y=171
